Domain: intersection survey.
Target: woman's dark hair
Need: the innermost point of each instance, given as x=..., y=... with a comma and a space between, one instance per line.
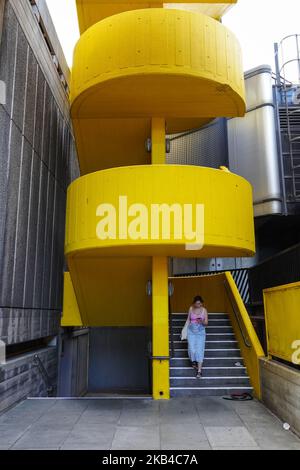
x=198, y=298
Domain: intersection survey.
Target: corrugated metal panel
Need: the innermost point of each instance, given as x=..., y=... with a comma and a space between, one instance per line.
x=118, y=360
x=204, y=147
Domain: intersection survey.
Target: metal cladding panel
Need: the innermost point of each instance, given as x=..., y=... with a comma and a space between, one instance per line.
x=204, y=147
x=253, y=151
x=119, y=359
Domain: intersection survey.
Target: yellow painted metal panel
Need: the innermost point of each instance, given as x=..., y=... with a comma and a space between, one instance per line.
x=282, y=311
x=213, y=8
x=112, y=82
x=211, y=289
x=112, y=291
x=163, y=76
x=71, y=313
x=108, y=143
x=182, y=66
x=245, y=333
x=158, y=141
x=92, y=11
x=160, y=329
x=227, y=200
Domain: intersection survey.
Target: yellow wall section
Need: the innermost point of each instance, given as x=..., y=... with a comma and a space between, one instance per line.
x=108, y=143
x=211, y=288
x=227, y=198
x=112, y=291
x=92, y=11
x=71, y=313
x=282, y=307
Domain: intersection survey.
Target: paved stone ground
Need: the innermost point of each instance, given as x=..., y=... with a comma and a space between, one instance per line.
x=126, y=424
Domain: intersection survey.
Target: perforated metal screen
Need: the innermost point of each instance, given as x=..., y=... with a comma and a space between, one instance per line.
x=205, y=147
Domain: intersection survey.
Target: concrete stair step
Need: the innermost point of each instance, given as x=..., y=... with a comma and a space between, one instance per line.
x=216, y=316
x=209, y=329
x=209, y=337
x=208, y=391
x=209, y=371
x=182, y=345
x=224, y=371
x=211, y=322
x=208, y=361
x=225, y=352
x=209, y=382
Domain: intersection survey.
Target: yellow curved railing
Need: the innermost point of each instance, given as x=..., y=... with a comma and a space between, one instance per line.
x=142, y=70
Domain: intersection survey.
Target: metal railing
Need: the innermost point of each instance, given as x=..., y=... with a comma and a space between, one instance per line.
x=47, y=379
x=171, y=329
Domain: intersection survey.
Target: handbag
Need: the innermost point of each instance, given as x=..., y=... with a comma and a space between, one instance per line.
x=184, y=331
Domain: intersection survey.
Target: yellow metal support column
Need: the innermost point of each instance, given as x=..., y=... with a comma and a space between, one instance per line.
x=160, y=299
x=160, y=329
x=158, y=141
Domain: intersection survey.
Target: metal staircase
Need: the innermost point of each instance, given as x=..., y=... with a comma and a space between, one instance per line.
x=289, y=116
x=287, y=60
x=223, y=368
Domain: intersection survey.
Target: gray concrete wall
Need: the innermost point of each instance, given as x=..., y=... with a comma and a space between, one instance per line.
x=2, y=2
x=281, y=391
x=20, y=378
x=37, y=163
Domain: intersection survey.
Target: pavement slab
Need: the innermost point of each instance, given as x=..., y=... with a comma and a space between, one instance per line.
x=189, y=423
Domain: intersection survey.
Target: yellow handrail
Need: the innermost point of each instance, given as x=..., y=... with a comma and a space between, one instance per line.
x=245, y=333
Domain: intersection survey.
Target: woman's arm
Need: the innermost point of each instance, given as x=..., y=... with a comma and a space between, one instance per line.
x=205, y=323
x=189, y=315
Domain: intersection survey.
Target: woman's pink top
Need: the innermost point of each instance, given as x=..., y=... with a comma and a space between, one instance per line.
x=194, y=317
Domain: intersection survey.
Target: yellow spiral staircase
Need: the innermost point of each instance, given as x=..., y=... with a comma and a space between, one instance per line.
x=144, y=69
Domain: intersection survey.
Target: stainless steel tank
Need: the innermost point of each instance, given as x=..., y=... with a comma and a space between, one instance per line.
x=252, y=143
